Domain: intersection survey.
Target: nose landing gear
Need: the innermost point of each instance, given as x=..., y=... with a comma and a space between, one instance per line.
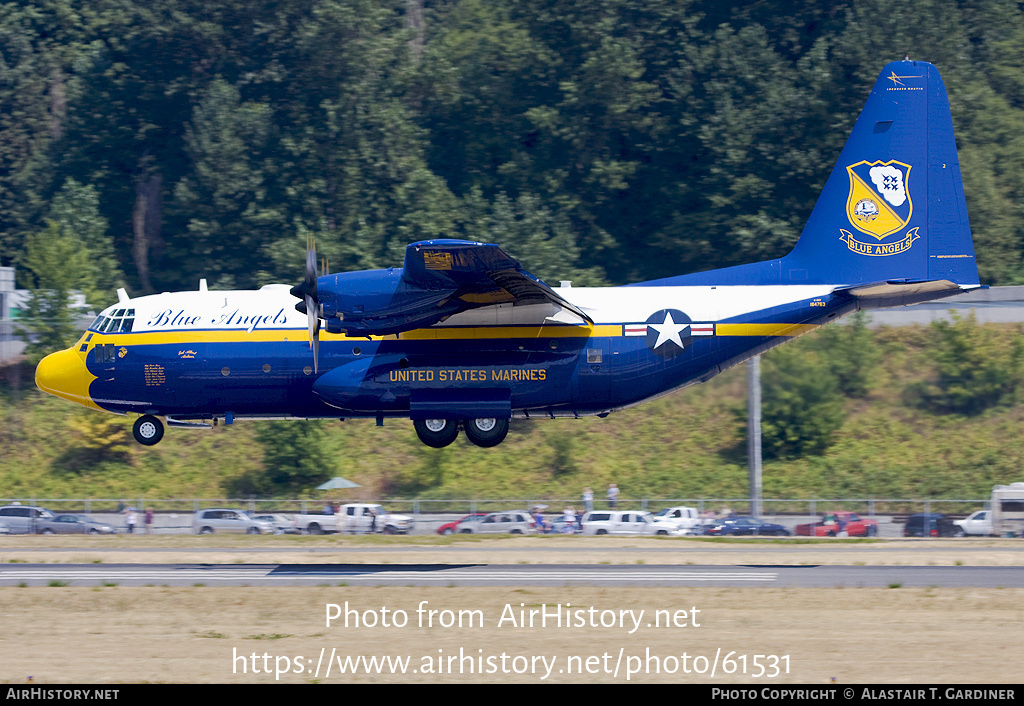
x=148, y=430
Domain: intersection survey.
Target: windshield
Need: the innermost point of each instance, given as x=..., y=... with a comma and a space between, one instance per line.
x=115, y=321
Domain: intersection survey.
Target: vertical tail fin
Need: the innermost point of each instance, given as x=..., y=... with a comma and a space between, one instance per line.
x=893, y=207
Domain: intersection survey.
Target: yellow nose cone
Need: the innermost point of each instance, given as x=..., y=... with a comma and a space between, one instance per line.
x=64, y=374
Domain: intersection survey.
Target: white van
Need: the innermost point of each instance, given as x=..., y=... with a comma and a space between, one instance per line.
x=226, y=521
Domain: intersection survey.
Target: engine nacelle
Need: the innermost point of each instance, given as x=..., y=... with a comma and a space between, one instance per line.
x=380, y=302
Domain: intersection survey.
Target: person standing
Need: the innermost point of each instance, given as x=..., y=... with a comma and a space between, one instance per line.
x=149, y=520
x=538, y=521
x=588, y=499
x=613, y=496
x=130, y=519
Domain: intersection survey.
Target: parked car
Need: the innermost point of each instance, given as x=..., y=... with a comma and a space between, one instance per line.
x=22, y=519
x=73, y=524
x=933, y=524
x=829, y=525
x=628, y=523
x=507, y=522
x=979, y=523
x=224, y=520
x=280, y=523
x=745, y=526
x=449, y=527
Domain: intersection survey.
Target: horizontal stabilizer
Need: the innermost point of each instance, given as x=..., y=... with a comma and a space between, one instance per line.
x=879, y=295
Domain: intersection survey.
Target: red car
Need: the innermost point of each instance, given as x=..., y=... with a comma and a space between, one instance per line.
x=450, y=527
x=832, y=523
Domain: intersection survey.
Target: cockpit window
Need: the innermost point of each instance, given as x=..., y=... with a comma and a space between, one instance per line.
x=119, y=321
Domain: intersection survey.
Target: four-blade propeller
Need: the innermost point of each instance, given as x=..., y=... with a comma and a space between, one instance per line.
x=310, y=303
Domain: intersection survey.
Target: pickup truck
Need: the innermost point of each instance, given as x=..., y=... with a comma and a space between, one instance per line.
x=980, y=523
x=355, y=518
x=684, y=518
x=828, y=526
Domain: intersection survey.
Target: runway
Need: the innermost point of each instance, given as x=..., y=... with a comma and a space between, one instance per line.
x=498, y=575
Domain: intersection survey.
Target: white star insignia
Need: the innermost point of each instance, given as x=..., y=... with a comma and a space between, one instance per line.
x=669, y=330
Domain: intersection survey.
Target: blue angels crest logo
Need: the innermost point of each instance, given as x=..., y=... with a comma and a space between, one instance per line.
x=879, y=204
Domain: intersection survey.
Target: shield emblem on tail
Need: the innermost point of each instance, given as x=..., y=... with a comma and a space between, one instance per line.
x=879, y=202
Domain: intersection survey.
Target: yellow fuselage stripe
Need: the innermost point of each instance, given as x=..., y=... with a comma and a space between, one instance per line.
x=431, y=334
x=763, y=329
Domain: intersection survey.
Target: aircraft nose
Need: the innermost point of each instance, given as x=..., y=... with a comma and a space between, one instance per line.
x=64, y=375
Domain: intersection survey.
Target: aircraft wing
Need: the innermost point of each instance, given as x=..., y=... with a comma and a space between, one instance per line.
x=440, y=278
x=480, y=274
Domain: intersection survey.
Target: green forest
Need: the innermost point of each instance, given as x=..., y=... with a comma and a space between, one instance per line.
x=147, y=144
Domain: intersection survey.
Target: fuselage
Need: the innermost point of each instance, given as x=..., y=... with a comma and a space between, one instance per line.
x=234, y=354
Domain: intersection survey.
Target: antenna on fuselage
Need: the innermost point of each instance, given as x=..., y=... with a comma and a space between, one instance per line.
x=122, y=295
x=202, y=285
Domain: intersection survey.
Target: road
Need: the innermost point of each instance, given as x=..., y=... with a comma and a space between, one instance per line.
x=509, y=575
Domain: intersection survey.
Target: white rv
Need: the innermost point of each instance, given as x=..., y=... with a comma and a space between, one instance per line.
x=1008, y=509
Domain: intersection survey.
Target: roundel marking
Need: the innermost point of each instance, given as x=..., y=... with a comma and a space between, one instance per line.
x=668, y=332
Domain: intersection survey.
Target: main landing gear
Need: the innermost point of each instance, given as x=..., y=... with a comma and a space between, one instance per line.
x=148, y=430
x=438, y=433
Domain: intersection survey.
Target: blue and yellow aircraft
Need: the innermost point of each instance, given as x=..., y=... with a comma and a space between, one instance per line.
x=462, y=337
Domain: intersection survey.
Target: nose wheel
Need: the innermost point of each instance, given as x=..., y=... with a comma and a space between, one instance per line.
x=148, y=430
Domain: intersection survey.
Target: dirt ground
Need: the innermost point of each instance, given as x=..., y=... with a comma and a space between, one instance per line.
x=265, y=635
x=737, y=635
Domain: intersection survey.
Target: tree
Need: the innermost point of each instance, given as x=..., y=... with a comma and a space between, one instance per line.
x=75, y=209
x=227, y=199
x=802, y=406
x=972, y=372
x=294, y=457
x=57, y=266
x=851, y=353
